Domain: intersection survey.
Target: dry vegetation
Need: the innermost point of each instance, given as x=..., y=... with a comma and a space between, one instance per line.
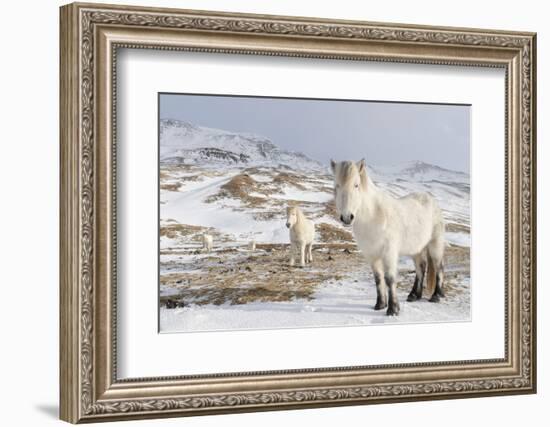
x=457, y=228
x=285, y=178
x=238, y=278
x=173, y=230
x=331, y=233
x=190, y=233
x=235, y=276
x=241, y=187
x=170, y=186
x=329, y=209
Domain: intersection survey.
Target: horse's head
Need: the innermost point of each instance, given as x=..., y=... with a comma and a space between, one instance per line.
x=291, y=216
x=350, y=181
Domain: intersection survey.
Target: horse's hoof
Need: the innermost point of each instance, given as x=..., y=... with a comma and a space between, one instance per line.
x=392, y=310
x=380, y=306
x=412, y=297
x=434, y=298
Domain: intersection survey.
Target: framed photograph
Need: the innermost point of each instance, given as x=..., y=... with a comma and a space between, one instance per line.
x=267, y=212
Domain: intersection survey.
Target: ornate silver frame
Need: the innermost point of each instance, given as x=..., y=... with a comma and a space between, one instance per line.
x=90, y=36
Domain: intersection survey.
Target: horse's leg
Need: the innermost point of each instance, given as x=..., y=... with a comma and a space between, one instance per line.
x=435, y=251
x=438, y=291
x=292, y=250
x=381, y=291
x=390, y=272
x=302, y=254
x=420, y=264
x=309, y=252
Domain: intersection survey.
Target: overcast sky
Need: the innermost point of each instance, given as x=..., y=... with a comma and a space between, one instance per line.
x=382, y=133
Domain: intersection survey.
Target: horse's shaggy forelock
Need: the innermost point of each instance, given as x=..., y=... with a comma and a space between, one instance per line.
x=347, y=170
x=295, y=210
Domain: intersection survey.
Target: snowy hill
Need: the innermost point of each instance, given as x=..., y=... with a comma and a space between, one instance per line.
x=186, y=143
x=418, y=171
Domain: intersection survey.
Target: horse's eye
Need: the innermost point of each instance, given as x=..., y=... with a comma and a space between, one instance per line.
x=356, y=185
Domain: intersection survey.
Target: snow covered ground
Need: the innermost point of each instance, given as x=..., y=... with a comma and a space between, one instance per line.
x=236, y=187
x=334, y=303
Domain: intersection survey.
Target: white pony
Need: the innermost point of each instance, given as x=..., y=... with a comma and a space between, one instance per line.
x=386, y=228
x=252, y=245
x=302, y=232
x=207, y=242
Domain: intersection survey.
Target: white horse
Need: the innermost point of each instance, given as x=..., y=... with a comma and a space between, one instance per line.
x=252, y=245
x=207, y=242
x=386, y=228
x=302, y=232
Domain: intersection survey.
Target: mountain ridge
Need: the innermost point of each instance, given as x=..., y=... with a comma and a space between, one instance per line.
x=184, y=142
x=187, y=143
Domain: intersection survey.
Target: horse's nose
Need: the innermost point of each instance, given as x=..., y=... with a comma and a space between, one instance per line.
x=347, y=219
x=287, y=225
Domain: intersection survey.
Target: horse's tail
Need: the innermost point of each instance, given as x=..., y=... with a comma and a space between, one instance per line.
x=430, y=279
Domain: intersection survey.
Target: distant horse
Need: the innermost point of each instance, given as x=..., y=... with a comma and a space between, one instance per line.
x=302, y=232
x=386, y=227
x=207, y=242
x=252, y=245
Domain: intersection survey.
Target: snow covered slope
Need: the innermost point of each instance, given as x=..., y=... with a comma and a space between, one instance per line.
x=183, y=142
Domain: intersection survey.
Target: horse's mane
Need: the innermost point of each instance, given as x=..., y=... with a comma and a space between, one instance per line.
x=299, y=214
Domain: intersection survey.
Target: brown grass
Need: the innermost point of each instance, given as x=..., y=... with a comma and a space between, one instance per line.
x=174, y=230
x=329, y=209
x=283, y=178
x=262, y=277
x=331, y=233
x=269, y=215
x=457, y=255
x=239, y=187
x=255, y=171
x=164, y=174
x=173, y=186
x=190, y=233
x=457, y=228
x=174, y=173
x=234, y=277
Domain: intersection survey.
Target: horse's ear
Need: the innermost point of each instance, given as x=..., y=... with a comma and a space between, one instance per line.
x=361, y=165
x=332, y=166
